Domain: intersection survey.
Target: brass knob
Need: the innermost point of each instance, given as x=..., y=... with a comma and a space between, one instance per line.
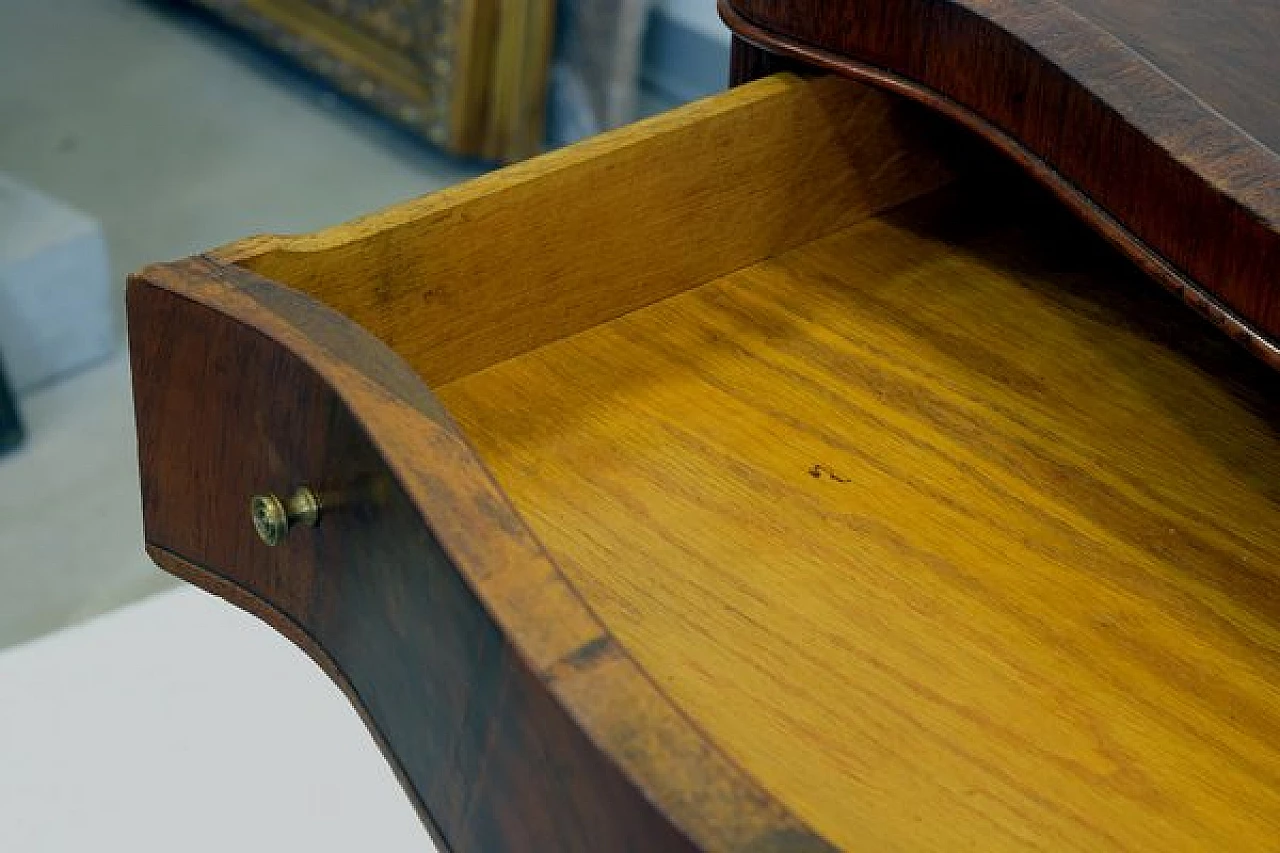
x=273, y=517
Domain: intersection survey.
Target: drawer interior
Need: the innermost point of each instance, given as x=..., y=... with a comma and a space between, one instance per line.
x=944, y=477
x=832, y=443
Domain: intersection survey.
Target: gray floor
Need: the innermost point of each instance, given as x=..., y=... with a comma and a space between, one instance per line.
x=177, y=137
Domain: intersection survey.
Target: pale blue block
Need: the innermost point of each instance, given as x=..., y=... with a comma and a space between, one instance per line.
x=56, y=308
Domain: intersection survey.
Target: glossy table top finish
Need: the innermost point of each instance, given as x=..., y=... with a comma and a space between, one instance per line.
x=1155, y=120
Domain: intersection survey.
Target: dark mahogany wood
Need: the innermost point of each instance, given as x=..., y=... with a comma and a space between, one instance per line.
x=1226, y=52
x=513, y=719
x=748, y=62
x=1156, y=120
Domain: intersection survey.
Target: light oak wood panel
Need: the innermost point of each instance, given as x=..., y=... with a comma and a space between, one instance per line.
x=469, y=276
x=949, y=530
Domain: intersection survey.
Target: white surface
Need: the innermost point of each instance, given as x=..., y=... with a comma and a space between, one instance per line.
x=699, y=15
x=181, y=724
x=56, y=299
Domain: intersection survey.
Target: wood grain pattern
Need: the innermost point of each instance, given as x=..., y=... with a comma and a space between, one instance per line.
x=513, y=719
x=946, y=527
x=1159, y=164
x=783, y=517
x=556, y=245
x=1225, y=51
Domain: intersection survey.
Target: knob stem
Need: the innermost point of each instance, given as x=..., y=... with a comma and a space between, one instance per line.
x=273, y=518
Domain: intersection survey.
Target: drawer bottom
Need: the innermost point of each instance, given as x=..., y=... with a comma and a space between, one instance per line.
x=927, y=481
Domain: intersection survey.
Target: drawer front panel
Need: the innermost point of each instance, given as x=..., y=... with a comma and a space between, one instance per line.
x=487, y=754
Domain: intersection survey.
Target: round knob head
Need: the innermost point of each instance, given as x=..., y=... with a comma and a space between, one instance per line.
x=269, y=519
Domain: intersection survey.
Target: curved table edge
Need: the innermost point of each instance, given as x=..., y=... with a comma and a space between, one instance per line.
x=1151, y=261
x=704, y=796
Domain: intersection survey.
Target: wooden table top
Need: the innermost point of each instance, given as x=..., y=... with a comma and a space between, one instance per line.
x=1158, y=121
x=1226, y=52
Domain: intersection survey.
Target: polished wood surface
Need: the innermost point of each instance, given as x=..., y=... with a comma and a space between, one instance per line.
x=515, y=720
x=1156, y=120
x=1225, y=51
x=945, y=527
x=550, y=247
x=512, y=718
x=783, y=496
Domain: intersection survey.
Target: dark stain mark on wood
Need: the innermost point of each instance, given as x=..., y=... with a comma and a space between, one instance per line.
x=818, y=471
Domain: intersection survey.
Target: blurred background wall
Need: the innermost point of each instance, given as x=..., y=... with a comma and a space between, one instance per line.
x=135, y=131
x=134, y=714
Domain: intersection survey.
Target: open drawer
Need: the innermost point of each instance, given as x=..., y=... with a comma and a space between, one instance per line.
x=741, y=480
